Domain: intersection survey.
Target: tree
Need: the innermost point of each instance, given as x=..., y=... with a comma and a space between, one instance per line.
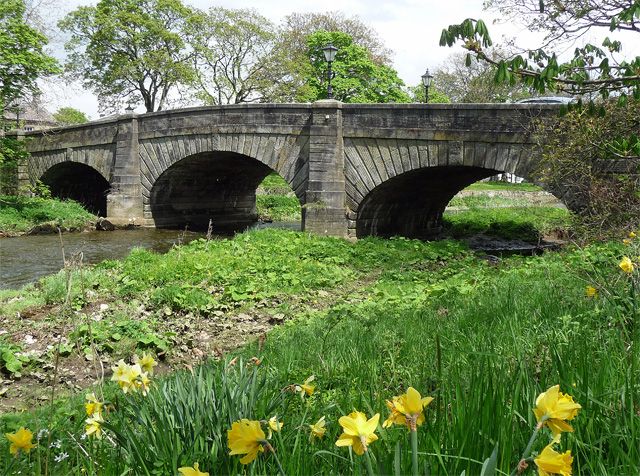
x=234, y=49
x=592, y=69
x=133, y=51
x=22, y=56
x=290, y=56
x=436, y=96
x=474, y=83
x=67, y=116
x=358, y=79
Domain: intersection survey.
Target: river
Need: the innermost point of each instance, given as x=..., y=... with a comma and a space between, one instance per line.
x=25, y=259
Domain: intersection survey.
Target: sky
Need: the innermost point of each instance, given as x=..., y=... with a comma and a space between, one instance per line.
x=410, y=28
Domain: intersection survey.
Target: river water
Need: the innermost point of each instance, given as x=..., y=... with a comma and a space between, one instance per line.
x=25, y=259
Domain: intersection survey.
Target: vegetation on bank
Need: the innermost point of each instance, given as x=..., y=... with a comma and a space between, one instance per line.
x=19, y=214
x=368, y=320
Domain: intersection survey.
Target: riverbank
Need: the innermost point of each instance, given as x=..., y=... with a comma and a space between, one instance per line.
x=368, y=319
x=20, y=215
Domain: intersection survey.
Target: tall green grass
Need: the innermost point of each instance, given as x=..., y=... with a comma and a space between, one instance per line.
x=483, y=340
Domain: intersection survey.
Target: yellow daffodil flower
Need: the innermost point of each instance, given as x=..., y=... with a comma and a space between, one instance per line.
x=143, y=383
x=407, y=409
x=553, y=408
x=550, y=461
x=274, y=425
x=94, y=426
x=591, y=291
x=195, y=471
x=626, y=265
x=126, y=376
x=632, y=235
x=20, y=441
x=305, y=388
x=246, y=437
x=93, y=405
x=318, y=429
x=358, y=431
x=626, y=241
x=146, y=362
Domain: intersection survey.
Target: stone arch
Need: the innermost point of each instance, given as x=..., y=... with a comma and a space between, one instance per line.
x=284, y=153
x=79, y=182
x=213, y=186
x=402, y=187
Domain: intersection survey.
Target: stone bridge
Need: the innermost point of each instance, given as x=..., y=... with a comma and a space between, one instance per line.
x=357, y=170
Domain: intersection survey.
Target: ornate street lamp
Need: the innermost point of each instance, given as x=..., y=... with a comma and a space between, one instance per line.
x=426, y=80
x=330, y=55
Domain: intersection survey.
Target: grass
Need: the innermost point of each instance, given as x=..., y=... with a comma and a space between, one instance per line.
x=516, y=187
x=368, y=319
x=278, y=208
x=19, y=214
x=525, y=223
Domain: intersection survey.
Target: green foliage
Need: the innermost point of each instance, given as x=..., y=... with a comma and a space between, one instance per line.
x=471, y=81
x=130, y=51
x=435, y=94
x=12, y=358
x=483, y=340
x=278, y=208
x=20, y=214
x=526, y=223
x=22, y=56
x=67, y=116
x=592, y=69
x=582, y=155
x=358, y=79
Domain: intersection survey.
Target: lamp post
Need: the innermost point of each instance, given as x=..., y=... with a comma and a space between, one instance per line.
x=426, y=80
x=330, y=55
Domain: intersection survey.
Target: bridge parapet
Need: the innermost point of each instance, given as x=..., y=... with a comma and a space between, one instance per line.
x=378, y=164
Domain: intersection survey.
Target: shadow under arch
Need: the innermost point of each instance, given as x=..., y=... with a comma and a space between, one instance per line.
x=412, y=204
x=79, y=182
x=217, y=187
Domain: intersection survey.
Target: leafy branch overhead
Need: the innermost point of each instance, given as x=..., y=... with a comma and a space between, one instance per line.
x=591, y=70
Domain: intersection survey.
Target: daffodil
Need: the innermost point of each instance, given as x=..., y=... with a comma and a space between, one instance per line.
x=274, y=425
x=94, y=426
x=358, y=431
x=147, y=363
x=407, y=409
x=246, y=437
x=20, y=441
x=93, y=405
x=553, y=408
x=318, y=429
x=305, y=388
x=591, y=291
x=626, y=241
x=549, y=461
x=195, y=471
x=632, y=235
x=143, y=383
x=126, y=376
x=626, y=265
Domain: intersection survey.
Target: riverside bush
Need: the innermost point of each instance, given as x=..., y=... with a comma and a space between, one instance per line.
x=20, y=214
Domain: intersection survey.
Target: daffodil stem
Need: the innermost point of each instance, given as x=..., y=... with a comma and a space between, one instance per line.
x=270, y=448
x=367, y=461
x=414, y=452
x=527, y=450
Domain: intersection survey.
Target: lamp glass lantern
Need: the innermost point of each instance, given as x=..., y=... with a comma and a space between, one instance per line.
x=427, y=79
x=330, y=53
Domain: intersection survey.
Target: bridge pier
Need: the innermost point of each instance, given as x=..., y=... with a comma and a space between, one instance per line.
x=124, y=201
x=324, y=211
